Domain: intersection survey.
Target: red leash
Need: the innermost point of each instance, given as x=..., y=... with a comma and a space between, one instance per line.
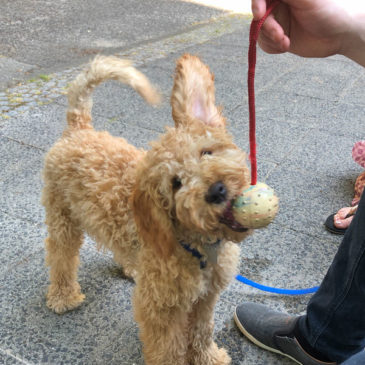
x=254, y=33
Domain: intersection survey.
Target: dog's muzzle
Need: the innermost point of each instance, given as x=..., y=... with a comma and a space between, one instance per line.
x=229, y=220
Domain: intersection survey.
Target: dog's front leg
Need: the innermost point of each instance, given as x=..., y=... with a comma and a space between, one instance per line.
x=202, y=348
x=163, y=333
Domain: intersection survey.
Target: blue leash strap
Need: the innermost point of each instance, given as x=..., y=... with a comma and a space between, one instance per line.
x=242, y=279
x=270, y=289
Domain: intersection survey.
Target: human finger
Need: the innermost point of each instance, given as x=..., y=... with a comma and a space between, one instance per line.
x=272, y=38
x=273, y=29
x=258, y=8
x=268, y=46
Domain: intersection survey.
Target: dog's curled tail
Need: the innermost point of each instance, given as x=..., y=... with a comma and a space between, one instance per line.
x=104, y=68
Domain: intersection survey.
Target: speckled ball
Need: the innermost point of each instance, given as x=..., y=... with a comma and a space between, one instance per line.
x=256, y=207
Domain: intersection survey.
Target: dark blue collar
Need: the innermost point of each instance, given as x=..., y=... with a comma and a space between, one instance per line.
x=202, y=259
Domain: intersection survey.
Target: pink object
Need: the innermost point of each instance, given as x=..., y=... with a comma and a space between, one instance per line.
x=358, y=153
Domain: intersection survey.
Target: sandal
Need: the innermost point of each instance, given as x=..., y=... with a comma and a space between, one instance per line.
x=330, y=225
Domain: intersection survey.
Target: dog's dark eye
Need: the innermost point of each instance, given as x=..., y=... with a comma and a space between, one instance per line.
x=176, y=183
x=206, y=152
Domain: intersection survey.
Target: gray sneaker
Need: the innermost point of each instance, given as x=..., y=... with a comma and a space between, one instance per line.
x=272, y=331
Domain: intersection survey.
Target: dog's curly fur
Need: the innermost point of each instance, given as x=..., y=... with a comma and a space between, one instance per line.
x=142, y=205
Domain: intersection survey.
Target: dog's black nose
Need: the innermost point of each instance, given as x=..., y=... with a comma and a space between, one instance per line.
x=217, y=193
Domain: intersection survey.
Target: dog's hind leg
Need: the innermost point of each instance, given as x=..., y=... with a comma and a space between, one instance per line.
x=62, y=245
x=127, y=258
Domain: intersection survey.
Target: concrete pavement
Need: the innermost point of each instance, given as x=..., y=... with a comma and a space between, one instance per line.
x=309, y=114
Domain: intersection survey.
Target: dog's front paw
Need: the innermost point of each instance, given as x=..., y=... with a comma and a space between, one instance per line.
x=212, y=356
x=222, y=357
x=61, y=301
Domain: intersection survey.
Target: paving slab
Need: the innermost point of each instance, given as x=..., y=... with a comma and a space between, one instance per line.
x=11, y=69
x=352, y=95
x=305, y=201
x=319, y=81
x=33, y=333
x=20, y=183
x=19, y=239
x=6, y=359
x=55, y=34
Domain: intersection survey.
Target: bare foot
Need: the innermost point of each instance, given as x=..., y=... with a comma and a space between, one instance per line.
x=343, y=217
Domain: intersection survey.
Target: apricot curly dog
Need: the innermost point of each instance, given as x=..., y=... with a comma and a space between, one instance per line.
x=165, y=213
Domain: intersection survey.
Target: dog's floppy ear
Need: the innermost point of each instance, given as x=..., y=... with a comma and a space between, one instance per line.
x=153, y=223
x=193, y=94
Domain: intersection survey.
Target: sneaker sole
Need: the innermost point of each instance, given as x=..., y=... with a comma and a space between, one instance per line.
x=258, y=343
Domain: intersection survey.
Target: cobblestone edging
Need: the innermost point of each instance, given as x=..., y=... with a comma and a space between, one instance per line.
x=46, y=88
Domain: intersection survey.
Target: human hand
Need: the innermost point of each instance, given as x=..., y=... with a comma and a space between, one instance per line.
x=313, y=28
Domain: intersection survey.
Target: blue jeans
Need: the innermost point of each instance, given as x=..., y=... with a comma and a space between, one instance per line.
x=358, y=359
x=335, y=321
